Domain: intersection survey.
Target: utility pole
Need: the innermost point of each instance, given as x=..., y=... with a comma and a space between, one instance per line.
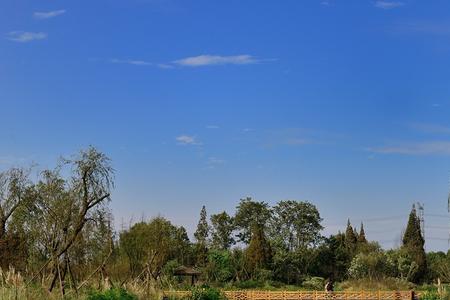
x=421, y=216
x=448, y=207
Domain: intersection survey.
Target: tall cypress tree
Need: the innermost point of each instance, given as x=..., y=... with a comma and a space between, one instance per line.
x=350, y=237
x=414, y=243
x=362, y=235
x=201, y=235
x=202, y=232
x=259, y=252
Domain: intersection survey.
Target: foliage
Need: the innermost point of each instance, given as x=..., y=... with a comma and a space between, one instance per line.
x=430, y=295
x=250, y=213
x=314, y=283
x=296, y=223
x=112, y=294
x=202, y=232
x=222, y=229
x=219, y=268
x=259, y=253
x=151, y=245
x=413, y=245
x=372, y=265
x=350, y=237
x=205, y=293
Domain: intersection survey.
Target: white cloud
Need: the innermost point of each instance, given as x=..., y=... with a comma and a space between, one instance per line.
x=131, y=62
x=209, y=60
x=187, y=140
x=421, y=148
x=388, y=4
x=165, y=66
x=48, y=14
x=215, y=161
x=212, y=127
x=24, y=36
x=431, y=128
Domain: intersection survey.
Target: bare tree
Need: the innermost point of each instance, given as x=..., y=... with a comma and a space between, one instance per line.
x=13, y=184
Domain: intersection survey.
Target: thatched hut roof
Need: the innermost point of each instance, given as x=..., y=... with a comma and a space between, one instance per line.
x=186, y=271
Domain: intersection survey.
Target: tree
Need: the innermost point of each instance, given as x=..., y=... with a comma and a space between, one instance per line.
x=258, y=253
x=149, y=246
x=13, y=185
x=362, y=235
x=296, y=223
x=373, y=265
x=350, y=237
x=413, y=243
x=202, y=232
x=63, y=206
x=250, y=213
x=222, y=229
x=201, y=235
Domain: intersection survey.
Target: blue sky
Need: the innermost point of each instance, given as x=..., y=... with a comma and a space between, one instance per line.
x=342, y=103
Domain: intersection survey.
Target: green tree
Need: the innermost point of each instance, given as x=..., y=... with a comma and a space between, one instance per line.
x=372, y=265
x=350, y=237
x=258, y=253
x=202, y=232
x=413, y=243
x=250, y=213
x=296, y=223
x=201, y=236
x=149, y=246
x=222, y=229
x=362, y=235
x=220, y=266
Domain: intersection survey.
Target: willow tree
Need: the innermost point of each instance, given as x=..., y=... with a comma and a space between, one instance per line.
x=63, y=206
x=13, y=185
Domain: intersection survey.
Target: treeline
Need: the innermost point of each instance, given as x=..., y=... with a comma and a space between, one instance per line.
x=56, y=229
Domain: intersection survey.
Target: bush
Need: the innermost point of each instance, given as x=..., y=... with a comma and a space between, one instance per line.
x=206, y=293
x=248, y=284
x=112, y=294
x=314, y=283
x=430, y=295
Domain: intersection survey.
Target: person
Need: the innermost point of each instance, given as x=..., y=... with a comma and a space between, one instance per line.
x=329, y=286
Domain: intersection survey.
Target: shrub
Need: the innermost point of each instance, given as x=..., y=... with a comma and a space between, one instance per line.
x=314, y=283
x=206, y=293
x=248, y=284
x=112, y=294
x=430, y=295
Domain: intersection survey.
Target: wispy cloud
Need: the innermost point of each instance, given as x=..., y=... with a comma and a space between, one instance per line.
x=131, y=62
x=212, y=127
x=25, y=36
x=434, y=28
x=187, y=140
x=138, y=62
x=297, y=137
x=213, y=162
x=388, y=4
x=196, y=61
x=431, y=128
x=48, y=14
x=416, y=148
x=211, y=60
